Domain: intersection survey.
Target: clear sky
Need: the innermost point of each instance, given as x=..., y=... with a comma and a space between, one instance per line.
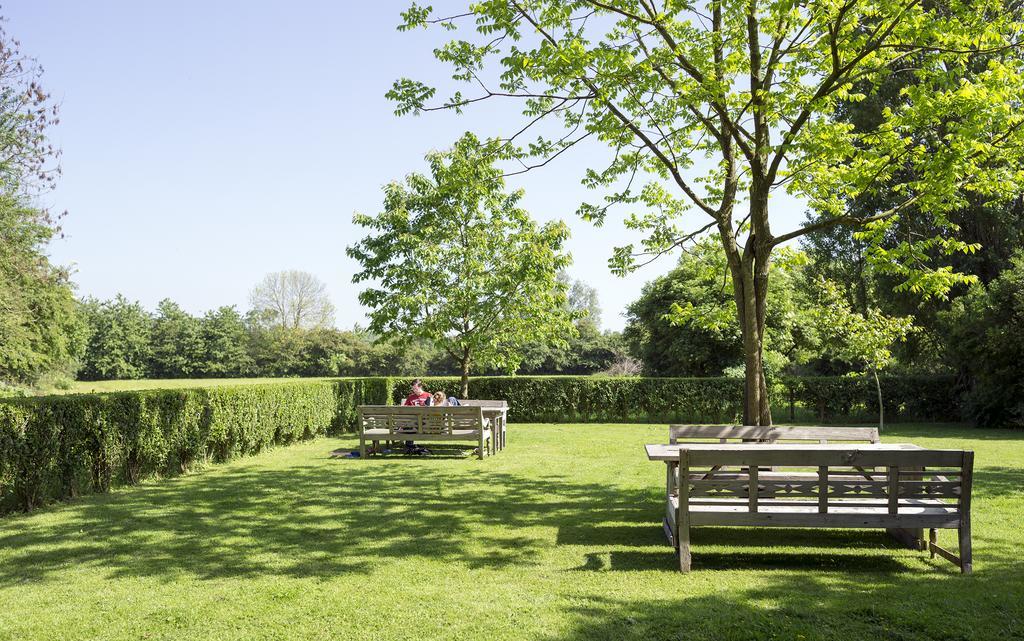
x=208, y=143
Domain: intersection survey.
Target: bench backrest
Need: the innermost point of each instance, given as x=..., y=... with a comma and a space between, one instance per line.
x=839, y=477
x=419, y=420
x=771, y=433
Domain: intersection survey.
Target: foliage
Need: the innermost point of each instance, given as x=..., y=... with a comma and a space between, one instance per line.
x=830, y=399
x=119, y=339
x=40, y=335
x=40, y=331
x=683, y=323
x=292, y=299
x=752, y=91
x=455, y=261
x=698, y=400
x=225, y=339
x=861, y=339
x=57, y=447
x=177, y=349
x=987, y=346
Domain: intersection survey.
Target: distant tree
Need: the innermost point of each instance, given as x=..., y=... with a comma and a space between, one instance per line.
x=292, y=299
x=225, y=342
x=40, y=334
x=176, y=343
x=119, y=340
x=460, y=264
x=861, y=339
x=582, y=299
x=28, y=160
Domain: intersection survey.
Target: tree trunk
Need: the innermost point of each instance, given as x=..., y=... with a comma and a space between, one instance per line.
x=881, y=408
x=749, y=269
x=464, y=391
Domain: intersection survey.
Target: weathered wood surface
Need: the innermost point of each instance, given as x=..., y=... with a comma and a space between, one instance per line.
x=908, y=489
x=412, y=423
x=819, y=434
x=497, y=411
x=668, y=452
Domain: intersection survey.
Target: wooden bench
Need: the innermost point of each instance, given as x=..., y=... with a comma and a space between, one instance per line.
x=771, y=433
x=497, y=411
x=913, y=489
x=403, y=423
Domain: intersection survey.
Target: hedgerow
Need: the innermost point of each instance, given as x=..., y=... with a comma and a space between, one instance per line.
x=58, y=447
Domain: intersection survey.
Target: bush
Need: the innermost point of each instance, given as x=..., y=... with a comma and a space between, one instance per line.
x=57, y=447
x=906, y=398
x=596, y=399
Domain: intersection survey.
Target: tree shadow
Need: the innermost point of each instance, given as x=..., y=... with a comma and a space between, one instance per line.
x=825, y=605
x=311, y=520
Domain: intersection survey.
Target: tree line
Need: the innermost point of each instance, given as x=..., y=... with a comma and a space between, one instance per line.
x=123, y=340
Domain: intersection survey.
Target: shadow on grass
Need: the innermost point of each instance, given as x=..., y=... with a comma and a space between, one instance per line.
x=813, y=606
x=347, y=515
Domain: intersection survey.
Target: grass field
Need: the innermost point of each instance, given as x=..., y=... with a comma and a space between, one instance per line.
x=556, y=538
x=85, y=387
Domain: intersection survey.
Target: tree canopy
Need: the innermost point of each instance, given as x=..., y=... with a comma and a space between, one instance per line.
x=453, y=259
x=712, y=107
x=292, y=299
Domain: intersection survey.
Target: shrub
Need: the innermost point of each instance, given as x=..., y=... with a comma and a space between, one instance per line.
x=595, y=399
x=57, y=447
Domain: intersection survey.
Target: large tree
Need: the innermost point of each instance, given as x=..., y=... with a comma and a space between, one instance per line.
x=723, y=104
x=456, y=261
x=292, y=299
x=40, y=334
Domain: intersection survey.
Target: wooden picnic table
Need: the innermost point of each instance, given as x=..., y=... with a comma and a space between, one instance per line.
x=900, y=487
x=670, y=453
x=665, y=452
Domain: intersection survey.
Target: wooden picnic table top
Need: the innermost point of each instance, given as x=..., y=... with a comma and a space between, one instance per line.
x=665, y=452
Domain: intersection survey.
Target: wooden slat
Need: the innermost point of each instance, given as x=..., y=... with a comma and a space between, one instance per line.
x=894, y=489
x=751, y=454
x=774, y=433
x=823, y=489
x=752, y=487
x=832, y=519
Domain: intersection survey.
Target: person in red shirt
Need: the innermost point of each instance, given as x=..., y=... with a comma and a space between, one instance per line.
x=417, y=397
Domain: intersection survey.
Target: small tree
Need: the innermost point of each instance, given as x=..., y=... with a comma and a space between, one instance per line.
x=459, y=263
x=859, y=339
x=292, y=299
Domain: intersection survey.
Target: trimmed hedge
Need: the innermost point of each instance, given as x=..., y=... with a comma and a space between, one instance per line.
x=58, y=447
x=843, y=398
x=597, y=399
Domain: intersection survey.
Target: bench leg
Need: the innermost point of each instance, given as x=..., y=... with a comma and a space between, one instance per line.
x=362, y=446
x=964, y=534
x=933, y=539
x=683, y=545
x=480, y=449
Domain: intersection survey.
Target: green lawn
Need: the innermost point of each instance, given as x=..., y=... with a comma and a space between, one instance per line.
x=557, y=538
x=86, y=387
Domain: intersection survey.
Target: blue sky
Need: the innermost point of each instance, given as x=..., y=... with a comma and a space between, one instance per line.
x=208, y=143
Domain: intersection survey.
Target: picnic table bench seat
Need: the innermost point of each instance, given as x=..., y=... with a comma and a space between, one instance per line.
x=900, y=487
x=414, y=423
